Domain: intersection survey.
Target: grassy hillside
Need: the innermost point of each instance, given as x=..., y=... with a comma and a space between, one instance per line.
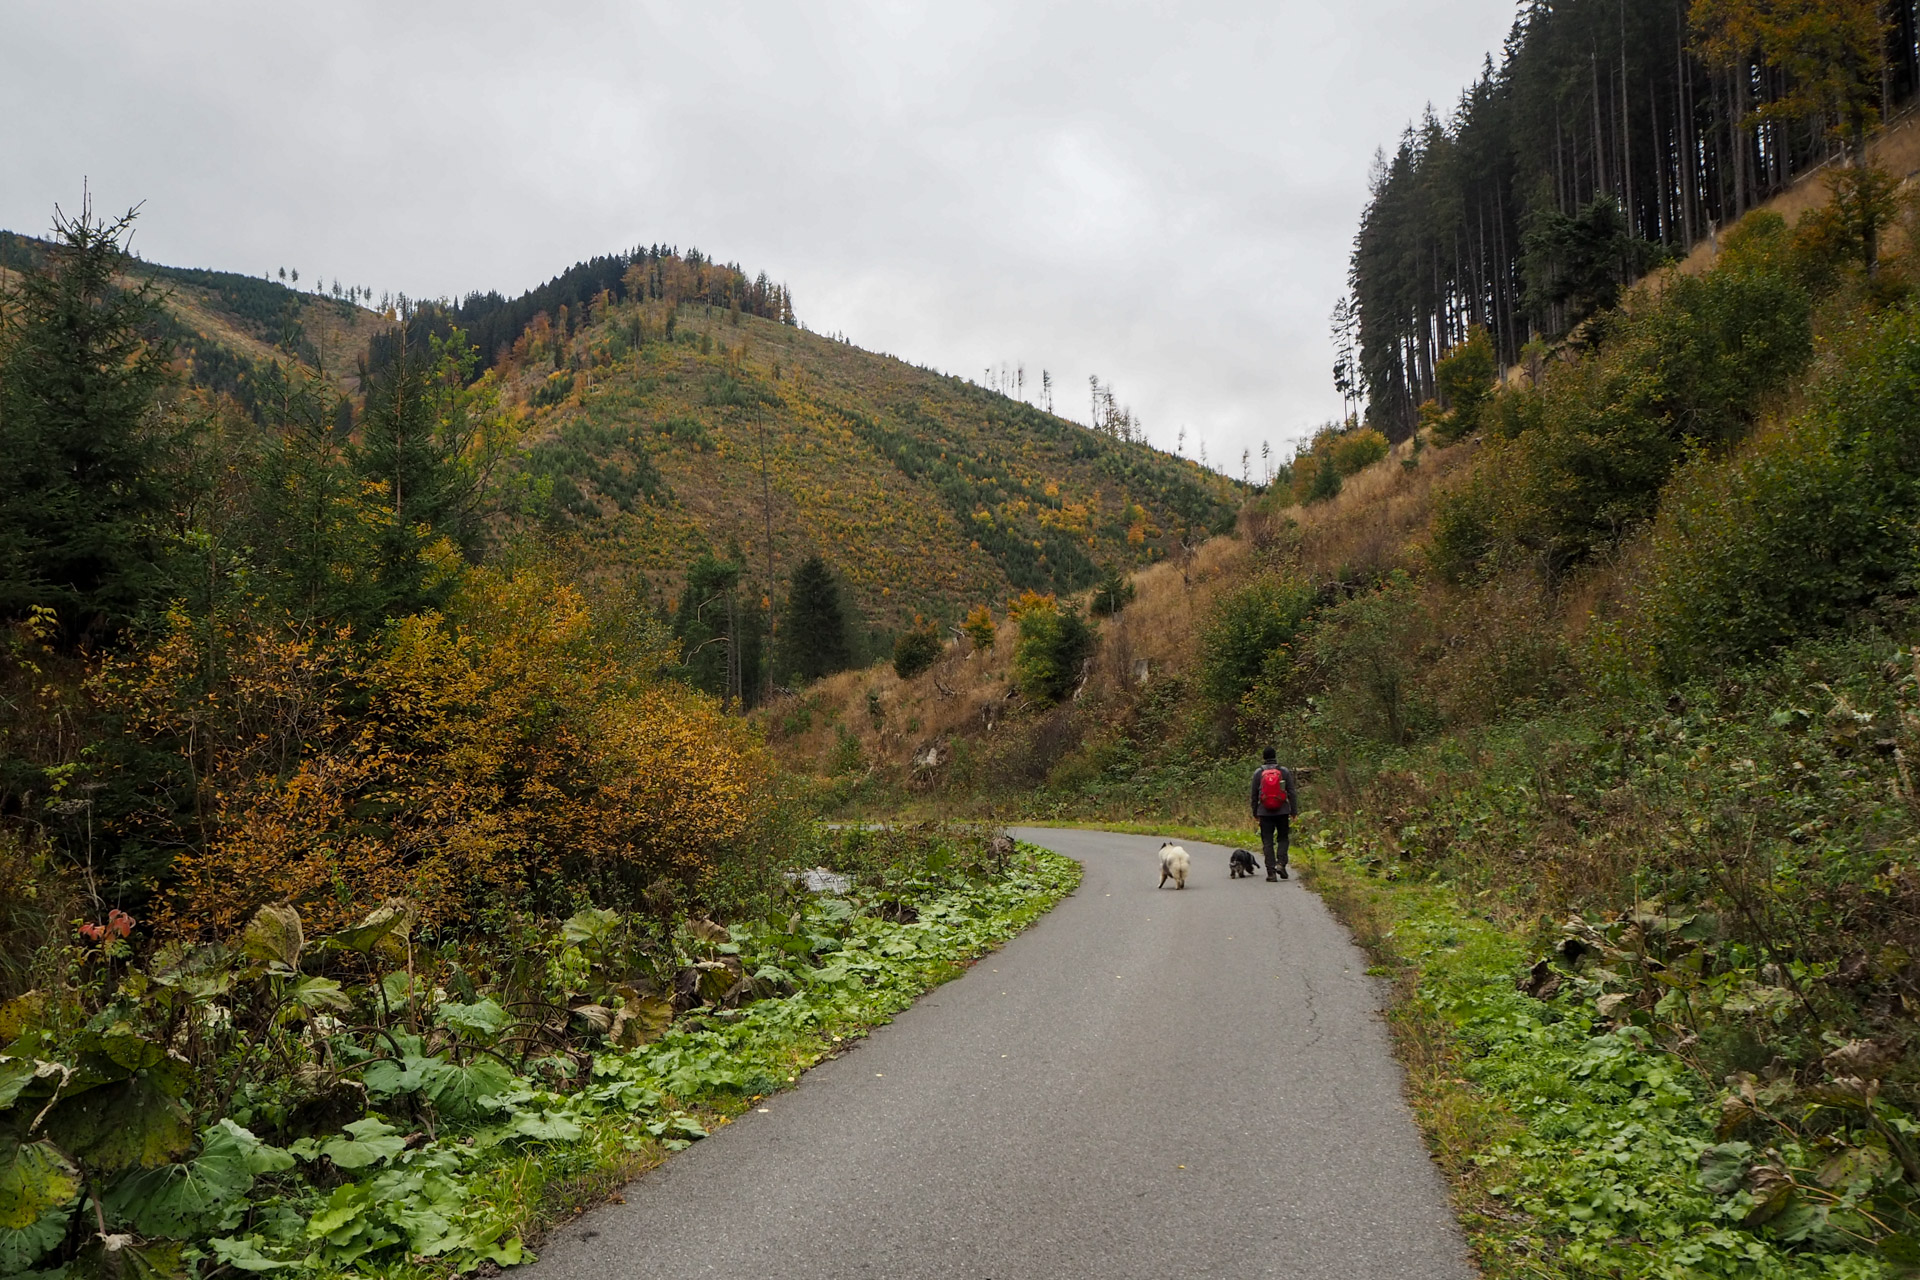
x=926, y=493
x=227, y=329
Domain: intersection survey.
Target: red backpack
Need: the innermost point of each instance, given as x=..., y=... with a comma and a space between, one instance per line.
x=1273, y=789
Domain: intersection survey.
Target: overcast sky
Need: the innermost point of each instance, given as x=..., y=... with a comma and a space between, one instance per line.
x=1162, y=195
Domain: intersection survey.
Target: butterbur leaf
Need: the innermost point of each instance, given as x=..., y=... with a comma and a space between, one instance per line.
x=714, y=980
x=545, y=1127
x=15, y=1075
x=393, y=917
x=245, y=1255
x=342, y=1207
x=388, y=1078
x=1855, y=1169
x=273, y=937
x=21, y=1248
x=320, y=993
x=596, y=1016
x=590, y=925
x=21, y=1013
x=640, y=1020
x=1901, y=1250
x=465, y=1091
x=123, y=1256
x=1722, y=1168
x=371, y=1141
x=183, y=1199
x=1772, y=1191
x=134, y=1123
x=34, y=1179
x=1797, y=1221
x=116, y=1053
x=400, y=988
x=483, y=1020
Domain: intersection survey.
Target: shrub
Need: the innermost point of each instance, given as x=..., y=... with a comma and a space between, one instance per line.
x=493, y=754
x=1581, y=461
x=916, y=649
x=1804, y=526
x=1465, y=376
x=979, y=628
x=1250, y=630
x=1357, y=450
x=1314, y=478
x=1366, y=649
x=1054, y=645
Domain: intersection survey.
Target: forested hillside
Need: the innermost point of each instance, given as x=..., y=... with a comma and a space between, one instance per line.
x=1610, y=137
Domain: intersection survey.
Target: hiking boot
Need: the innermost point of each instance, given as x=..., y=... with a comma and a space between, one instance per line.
x=1283, y=873
x=1271, y=877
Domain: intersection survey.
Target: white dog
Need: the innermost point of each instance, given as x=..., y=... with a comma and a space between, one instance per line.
x=1173, y=866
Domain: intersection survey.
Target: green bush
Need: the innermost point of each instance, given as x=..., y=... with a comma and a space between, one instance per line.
x=1365, y=650
x=1801, y=528
x=1054, y=644
x=1331, y=456
x=1250, y=633
x=1465, y=376
x=917, y=648
x=1357, y=450
x=1573, y=466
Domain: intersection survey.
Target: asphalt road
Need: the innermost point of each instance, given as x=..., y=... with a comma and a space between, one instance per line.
x=1147, y=1083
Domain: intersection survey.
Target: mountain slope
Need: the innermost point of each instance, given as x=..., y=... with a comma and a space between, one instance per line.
x=924, y=492
x=657, y=427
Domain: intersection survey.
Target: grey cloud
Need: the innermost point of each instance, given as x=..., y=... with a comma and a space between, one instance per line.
x=1161, y=194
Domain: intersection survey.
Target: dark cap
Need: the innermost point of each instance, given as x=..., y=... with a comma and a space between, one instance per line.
x=1268, y=755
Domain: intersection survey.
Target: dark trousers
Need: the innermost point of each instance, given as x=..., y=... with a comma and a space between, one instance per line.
x=1273, y=838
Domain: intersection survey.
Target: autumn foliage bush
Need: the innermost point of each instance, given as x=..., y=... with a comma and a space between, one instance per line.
x=497, y=753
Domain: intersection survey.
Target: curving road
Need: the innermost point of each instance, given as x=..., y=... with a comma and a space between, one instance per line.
x=1147, y=1083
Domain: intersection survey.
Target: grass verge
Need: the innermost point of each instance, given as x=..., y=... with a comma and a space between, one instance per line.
x=1574, y=1146
x=645, y=1104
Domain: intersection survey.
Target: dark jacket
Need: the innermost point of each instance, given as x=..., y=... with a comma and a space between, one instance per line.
x=1293, y=795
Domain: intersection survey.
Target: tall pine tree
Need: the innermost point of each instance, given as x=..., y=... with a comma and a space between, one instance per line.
x=816, y=624
x=81, y=495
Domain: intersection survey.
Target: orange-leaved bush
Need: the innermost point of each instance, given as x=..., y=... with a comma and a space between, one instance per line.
x=494, y=755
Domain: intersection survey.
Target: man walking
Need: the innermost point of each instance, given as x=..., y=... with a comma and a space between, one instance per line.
x=1273, y=804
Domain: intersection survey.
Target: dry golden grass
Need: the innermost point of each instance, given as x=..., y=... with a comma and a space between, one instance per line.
x=1375, y=524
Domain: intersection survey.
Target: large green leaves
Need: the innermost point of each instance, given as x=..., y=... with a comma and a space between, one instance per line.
x=21, y=1248
x=205, y=1193
x=386, y=927
x=457, y=1091
x=274, y=937
x=137, y=1122
x=34, y=1178
x=481, y=1021
x=367, y=1142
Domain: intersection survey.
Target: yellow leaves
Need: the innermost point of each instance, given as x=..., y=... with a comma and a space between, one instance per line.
x=1030, y=601
x=979, y=627
x=486, y=752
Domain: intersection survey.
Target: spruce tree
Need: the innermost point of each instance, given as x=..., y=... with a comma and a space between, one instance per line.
x=428, y=442
x=816, y=623
x=80, y=491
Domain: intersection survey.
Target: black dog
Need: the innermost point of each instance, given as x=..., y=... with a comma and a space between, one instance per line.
x=1240, y=863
